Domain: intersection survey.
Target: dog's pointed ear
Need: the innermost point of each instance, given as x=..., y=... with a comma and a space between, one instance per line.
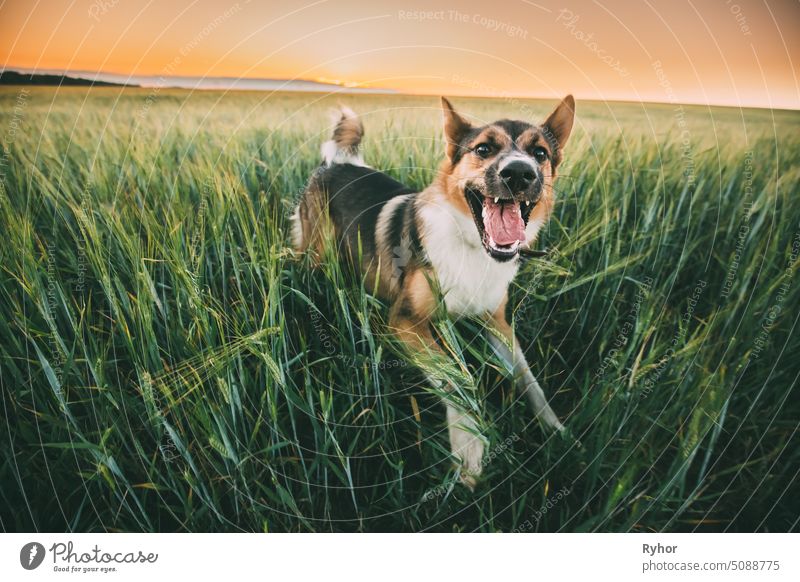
x=455, y=127
x=559, y=122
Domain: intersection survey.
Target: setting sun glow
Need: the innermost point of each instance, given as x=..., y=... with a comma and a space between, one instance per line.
x=742, y=53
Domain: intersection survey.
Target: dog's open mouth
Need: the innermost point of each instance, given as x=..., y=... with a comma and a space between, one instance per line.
x=501, y=223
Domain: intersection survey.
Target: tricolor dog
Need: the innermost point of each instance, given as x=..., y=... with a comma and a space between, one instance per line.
x=462, y=235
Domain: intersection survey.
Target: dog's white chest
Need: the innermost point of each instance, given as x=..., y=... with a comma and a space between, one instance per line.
x=472, y=282
x=475, y=283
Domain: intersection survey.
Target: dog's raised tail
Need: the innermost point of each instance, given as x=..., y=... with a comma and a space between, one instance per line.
x=342, y=148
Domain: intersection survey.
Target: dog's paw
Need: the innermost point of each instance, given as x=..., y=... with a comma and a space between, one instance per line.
x=550, y=423
x=468, y=449
x=469, y=481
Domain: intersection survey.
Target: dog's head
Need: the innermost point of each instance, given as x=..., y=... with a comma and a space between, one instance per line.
x=502, y=174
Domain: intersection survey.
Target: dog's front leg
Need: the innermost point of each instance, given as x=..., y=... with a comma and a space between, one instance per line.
x=502, y=339
x=409, y=320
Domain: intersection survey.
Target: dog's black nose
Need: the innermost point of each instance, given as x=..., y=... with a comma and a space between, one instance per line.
x=518, y=175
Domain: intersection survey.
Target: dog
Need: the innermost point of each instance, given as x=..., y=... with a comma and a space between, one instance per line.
x=460, y=241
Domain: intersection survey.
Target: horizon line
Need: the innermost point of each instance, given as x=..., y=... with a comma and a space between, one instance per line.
x=348, y=88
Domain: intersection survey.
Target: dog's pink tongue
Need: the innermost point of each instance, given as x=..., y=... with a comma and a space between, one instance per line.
x=503, y=222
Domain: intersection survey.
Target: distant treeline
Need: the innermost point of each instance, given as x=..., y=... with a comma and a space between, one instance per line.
x=15, y=78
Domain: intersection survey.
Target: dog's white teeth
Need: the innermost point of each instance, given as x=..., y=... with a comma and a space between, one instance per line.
x=527, y=203
x=496, y=198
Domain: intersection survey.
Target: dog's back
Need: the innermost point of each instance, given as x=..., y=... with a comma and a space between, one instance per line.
x=344, y=200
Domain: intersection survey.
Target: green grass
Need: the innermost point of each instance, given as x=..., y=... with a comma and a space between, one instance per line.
x=168, y=364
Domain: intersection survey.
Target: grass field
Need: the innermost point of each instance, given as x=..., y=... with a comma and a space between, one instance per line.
x=168, y=364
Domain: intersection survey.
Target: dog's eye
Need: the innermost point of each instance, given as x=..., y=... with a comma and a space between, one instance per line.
x=539, y=154
x=483, y=150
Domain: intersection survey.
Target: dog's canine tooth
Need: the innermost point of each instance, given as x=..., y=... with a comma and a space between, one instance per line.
x=496, y=198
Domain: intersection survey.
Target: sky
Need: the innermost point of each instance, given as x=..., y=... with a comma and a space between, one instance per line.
x=741, y=53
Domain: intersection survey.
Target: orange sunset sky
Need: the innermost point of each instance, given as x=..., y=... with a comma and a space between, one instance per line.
x=692, y=51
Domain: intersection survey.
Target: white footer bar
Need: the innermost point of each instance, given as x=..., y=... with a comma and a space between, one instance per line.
x=401, y=557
